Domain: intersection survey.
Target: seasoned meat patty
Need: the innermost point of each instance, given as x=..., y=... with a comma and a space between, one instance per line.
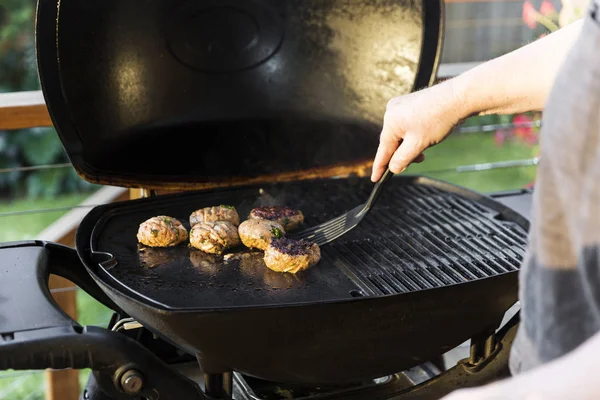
x=214, y=237
x=289, y=218
x=289, y=255
x=216, y=213
x=257, y=233
x=161, y=231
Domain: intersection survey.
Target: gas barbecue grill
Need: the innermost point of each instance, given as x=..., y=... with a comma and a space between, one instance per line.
x=254, y=103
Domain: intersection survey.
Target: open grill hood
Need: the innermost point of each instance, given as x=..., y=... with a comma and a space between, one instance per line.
x=186, y=94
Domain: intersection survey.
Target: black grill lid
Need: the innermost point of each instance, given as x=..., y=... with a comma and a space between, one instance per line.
x=177, y=94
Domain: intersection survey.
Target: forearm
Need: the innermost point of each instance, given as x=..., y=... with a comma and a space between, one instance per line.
x=518, y=81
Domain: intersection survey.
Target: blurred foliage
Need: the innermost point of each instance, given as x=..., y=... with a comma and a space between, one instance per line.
x=17, y=47
x=28, y=147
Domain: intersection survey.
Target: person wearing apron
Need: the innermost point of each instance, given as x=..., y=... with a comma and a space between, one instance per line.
x=556, y=353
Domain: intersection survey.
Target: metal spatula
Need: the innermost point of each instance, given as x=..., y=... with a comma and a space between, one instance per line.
x=333, y=229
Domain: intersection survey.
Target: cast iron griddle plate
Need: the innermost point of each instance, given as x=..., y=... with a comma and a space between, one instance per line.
x=422, y=234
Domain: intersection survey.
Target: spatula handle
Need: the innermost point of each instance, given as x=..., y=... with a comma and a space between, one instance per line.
x=377, y=189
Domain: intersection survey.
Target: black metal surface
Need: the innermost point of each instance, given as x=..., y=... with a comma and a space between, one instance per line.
x=36, y=334
x=419, y=237
x=299, y=333
x=293, y=85
x=108, y=353
x=520, y=200
x=25, y=301
x=93, y=391
x=464, y=375
x=329, y=231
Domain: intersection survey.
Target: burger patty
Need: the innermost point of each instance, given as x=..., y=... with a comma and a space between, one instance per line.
x=214, y=237
x=289, y=255
x=287, y=217
x=257, y=233
x=216, y=213
x=161, y=231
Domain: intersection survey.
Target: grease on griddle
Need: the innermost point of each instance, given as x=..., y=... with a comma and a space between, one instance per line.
x=155, y=257
x=206, y=263
x=250, y=263
x=279, y=281
x=240, y=256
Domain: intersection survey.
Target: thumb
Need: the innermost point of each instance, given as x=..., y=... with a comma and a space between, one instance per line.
x=387, y=146
x=410, y=148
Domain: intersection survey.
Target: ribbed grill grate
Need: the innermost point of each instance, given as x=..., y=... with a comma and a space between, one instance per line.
x=422, y=238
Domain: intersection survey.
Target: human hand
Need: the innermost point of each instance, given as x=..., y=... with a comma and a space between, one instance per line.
x=414, y=122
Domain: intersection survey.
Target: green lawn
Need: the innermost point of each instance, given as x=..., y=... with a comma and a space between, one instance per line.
x=468, y=149
x=458, y=150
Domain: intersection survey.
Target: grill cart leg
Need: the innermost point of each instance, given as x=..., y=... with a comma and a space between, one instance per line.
x=488, y=362
x=93, y=391
x=219, y=386
x=218, y=380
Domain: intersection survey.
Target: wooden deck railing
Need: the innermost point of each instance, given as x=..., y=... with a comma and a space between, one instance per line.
x=23, y=110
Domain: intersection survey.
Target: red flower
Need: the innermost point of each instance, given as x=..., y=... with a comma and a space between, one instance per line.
x=522, y=132
x=547, y=8
x=529, y=14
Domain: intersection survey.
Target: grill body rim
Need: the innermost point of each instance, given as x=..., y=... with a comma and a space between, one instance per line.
x=335, y=341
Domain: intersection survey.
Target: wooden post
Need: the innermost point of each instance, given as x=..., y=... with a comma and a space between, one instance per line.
x=23, y=110
x=63, y=384
x=135, y=194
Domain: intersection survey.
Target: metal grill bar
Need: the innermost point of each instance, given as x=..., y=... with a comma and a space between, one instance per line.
x=432, y=239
